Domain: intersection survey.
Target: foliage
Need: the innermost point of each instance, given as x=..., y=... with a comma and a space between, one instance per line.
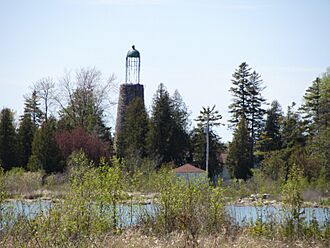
x=247, y=103
x=190, y=206
x=167, y=137
x=275, y=163
x=198, y=143
x=45, y=151
x=325, y=99
x=293, y=129
x=256, y=112
x=9, y=148
x=208, y=118
x=83, y=101
x=32, y=109
x=90, y=212
x=78, y=139
x=20, y=183
x=270, y=138
x=132, y=139
x=239, y=107
x=292, y=200
x=3, y=190
x=239, y=159
x=26, y=133
x=45, y=91
x=89, y=209
x=311, y=107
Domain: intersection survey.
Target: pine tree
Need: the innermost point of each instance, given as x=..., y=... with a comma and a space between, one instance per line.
x=161, y=123
x=255, y=116
x=132, y=139
x=240, y=91
x=9, y=156
x=239, y=159
x=292, y=132
x=311, y=107
x=324, y=114
x=248, y=102
x=180, y=138
x=270, y=138
x=26, y=133
x=293, y=138
x=32, y=108
x=45, y=151
x=165, y=142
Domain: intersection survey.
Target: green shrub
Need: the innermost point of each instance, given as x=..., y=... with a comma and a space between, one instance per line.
x=190, y=206
x=293, y=202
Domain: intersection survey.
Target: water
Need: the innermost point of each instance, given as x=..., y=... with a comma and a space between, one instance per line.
x=244, y=215
x=129, y=215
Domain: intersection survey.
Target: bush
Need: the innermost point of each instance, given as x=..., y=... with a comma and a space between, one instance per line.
x=293, y=201
x=19, y=182
x=193, y=207
x=3, y=190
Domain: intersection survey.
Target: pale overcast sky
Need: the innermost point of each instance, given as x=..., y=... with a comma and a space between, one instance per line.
x=193, y=46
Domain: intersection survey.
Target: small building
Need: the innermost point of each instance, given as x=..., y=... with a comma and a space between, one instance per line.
x=190, y=172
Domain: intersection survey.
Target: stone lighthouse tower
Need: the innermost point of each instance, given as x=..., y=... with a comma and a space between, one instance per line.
x=130, y=89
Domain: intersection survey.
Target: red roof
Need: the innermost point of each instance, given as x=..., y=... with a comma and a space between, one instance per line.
x=188, y=168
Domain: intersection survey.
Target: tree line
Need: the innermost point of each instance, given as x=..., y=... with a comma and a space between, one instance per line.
x=274, y=141
x=69, y=115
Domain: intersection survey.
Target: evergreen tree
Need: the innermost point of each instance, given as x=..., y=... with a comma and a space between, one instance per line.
x=255, y=115
x=32, y=109
x=180, y=111
x=292, y=132
x=316, y=110
x=239, y=159
x=321, y=148
x=26, y=132
x=8, y=140
x=161, y=124
x=240, y=91
x=270, y=138
x=45, y=151
x=247, y=102
x=132, y=139
x=180, y=137
x=166, y=130
x=311, y=107
x=324, y=114
x=293, y=138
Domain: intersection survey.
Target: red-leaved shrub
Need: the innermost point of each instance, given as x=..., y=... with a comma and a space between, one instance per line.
x=79, y=139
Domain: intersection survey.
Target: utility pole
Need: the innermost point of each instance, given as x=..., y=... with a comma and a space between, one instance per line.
x=208, y=118
x=207, y=142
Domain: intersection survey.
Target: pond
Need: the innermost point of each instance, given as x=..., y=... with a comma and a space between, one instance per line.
x=244, y=215
x=130, y=214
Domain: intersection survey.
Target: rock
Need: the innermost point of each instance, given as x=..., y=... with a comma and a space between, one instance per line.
x=265, y=196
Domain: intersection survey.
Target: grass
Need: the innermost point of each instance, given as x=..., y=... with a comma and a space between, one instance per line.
x=136, y=238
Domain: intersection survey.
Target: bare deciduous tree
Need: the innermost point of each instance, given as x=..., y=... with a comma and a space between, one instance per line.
x=45, y=90
x=84, y=97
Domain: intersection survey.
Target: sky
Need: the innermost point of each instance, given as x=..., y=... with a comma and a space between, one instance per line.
x=189, y=45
